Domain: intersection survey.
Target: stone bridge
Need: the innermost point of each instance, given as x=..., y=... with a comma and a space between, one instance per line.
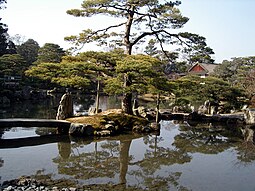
x=22, y=122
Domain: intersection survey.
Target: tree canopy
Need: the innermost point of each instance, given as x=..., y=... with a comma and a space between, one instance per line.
x=50, y=52
x=238, y=72
x=3, y=38
x=195, y=89
x=136, y=22
x=12, y=64
x=29, y=50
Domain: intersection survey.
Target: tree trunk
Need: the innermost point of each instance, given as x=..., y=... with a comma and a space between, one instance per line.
x=124, y=159
x=157, y=108
x=127, y=97
x=97, y=97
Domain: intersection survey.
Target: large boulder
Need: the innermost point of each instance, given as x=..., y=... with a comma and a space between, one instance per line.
x=93, y=111
x=248, y=134
x=65, y=108
x=249, y=116
x=79, y=129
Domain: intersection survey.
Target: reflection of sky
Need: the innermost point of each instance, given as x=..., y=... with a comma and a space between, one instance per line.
x=203, y=172
x=19, y=132
x=216, y=172
x=28, y=160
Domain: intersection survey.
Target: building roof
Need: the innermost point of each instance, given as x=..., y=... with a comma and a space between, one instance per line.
x=200, y=68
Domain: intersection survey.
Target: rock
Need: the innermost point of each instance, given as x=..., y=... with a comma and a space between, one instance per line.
x=142, y=112
x=155, y=126
x=205, y=109
x=65, y=108
x=249, y=116
x=135, y=107
x=79, y=129
x=92, y=111
x=151, y=114
x=165, y=114
x=141, y=129
x=9, y=188
x=196, y=116
x=248, y=134
x=103, y=133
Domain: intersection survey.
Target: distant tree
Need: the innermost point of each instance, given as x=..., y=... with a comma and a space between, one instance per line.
x=18, y=39
x=3, y=38
x=139, y=20
x=196, y=89
x=238, y=72
x=198, y=53
x=50, y=53
x=2, y=2
x=29, y=50
x=11, y=48
x=227, y=70
x=12, y=64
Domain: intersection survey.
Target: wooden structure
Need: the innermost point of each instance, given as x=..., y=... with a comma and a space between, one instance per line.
x=202, y=70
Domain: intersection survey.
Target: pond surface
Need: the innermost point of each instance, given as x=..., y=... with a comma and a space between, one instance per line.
x=182, y=157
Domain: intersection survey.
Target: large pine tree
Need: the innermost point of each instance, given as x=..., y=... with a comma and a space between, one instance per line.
x=137, y=21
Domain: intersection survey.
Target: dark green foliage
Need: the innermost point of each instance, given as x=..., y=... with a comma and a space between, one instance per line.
x=136, y=22
x=238, y=72
x=145, y=72
x=12, y=64
x=196, y=89
x=50, y=53
x=76, y=71
x=29, y=50
x=3, y=38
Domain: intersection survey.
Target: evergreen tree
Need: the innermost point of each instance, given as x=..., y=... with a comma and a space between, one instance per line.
x=50, y=53
x=12, y=64
x=29, y=50
x=138, y=21
x=3, y=38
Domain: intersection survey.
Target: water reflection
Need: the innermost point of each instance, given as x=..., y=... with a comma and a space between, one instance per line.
x=47, y=108
x=174, y=160
x=204, y=138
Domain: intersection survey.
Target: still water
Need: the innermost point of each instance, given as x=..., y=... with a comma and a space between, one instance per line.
x=182, y=157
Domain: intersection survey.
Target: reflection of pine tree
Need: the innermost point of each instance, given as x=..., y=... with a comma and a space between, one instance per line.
x=154, y=159
x=199, y=139
x=245, y=154
x=93, y=164
x=1, y=165
x=1, y=162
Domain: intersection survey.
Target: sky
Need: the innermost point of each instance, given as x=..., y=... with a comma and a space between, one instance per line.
x=227, y=25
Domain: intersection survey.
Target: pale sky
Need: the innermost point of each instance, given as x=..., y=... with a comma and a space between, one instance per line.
x=227, y=25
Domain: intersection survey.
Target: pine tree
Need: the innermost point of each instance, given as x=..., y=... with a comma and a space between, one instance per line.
x=136, y=21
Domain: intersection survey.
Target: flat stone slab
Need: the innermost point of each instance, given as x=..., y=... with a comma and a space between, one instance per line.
x=23, y=122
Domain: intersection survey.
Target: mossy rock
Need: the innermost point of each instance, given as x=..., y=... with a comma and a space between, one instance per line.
x=123, y=121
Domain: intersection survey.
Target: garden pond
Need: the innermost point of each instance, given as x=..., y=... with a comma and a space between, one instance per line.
x=181, y=157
